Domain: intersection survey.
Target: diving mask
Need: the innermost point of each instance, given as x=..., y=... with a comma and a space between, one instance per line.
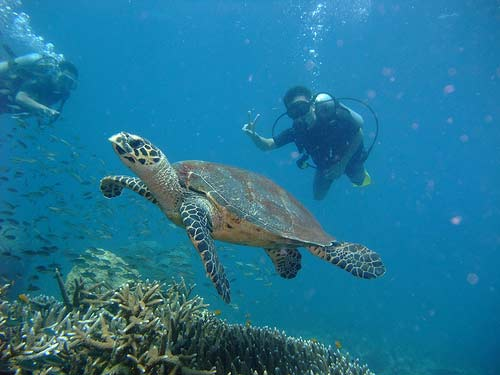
x=68, y=80
x=298, y=108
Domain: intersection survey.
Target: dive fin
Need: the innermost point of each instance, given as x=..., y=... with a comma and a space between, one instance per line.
x=367, y=180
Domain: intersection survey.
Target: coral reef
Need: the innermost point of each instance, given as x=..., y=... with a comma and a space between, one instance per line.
x=140, y=329
x=100, y=264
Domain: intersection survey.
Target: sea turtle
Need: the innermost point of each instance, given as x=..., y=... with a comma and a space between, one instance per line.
x=218, y=202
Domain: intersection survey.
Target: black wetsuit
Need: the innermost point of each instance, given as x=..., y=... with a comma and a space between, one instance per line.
x=41, y=88
x=326, y=142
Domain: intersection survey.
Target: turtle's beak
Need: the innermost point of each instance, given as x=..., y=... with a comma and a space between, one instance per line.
x=120, y=142
x=113, y=138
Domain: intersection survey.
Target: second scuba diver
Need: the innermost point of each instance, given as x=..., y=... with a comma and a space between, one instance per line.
x=31, y=84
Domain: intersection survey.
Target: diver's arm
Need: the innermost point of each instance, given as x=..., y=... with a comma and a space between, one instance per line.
x=24, y=100
x=264, y=144
x=24, y=60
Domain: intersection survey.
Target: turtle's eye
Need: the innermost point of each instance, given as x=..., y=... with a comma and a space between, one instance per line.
x=136, y=143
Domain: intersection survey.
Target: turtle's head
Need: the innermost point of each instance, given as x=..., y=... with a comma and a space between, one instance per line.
x=136, y=152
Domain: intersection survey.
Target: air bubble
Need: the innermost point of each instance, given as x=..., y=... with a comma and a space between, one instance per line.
x=16, y=31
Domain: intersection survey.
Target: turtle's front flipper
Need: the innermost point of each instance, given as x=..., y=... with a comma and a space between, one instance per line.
x=196, y=218
x=352, y=257
x=286, y=261
x=112, y=186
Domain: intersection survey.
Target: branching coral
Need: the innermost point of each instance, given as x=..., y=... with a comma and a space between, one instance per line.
x=139, y=329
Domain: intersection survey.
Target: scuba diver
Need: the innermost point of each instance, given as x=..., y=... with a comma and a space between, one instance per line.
x=324, y=130
x=32, y=84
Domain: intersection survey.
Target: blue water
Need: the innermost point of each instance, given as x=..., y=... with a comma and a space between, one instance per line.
x=185, y=73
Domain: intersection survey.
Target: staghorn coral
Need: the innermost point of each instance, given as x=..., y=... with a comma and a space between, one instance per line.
x=140, y=329
x=96, y=264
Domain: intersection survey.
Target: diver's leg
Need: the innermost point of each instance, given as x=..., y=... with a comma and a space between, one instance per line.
x=321, y=184
x=357, y=173
x=356, y=170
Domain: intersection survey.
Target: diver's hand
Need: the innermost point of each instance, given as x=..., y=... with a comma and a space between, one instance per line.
x=249, y=127
x=49, y=112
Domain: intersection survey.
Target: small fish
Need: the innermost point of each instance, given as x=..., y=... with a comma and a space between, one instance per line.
x=23, y=298
x=10, y=237
x=33, y=194
x=12, y=190
x=44, y=253
x=39, y=237
x=23, y=160
x=10, y=205
x=314, y=340
x=447, y=15
x=29, y=252
x=65, y=142
x=24, y=145
x=52, y=248
x=338, y=344
x=248, y=323
x=32, y=288
x=76, y=176
x=217, y=312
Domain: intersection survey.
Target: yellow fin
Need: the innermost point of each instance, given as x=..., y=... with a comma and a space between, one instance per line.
x=367, y=180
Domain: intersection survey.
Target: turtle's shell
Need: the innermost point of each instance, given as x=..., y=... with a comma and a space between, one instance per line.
x=254, y=198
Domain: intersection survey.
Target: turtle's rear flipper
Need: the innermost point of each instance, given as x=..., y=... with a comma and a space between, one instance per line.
x=112, y=186
x=196, y=219
x=286, y=261
x=352, y=257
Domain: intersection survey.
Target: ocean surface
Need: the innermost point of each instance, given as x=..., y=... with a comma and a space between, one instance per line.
x=184, y=74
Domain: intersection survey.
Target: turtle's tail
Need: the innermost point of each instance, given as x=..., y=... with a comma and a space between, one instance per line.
x=352, y=257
